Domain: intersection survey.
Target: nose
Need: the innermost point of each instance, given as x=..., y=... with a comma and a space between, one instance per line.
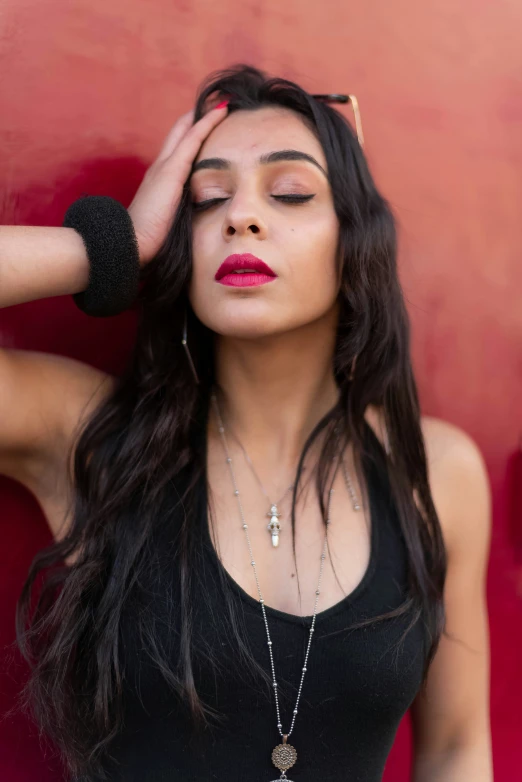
x=243, y=218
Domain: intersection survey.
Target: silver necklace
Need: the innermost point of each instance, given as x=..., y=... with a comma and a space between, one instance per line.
x=284, y=755
x=349, y=486
x=274, y=525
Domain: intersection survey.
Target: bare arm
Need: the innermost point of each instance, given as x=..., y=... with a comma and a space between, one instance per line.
x=42, y=396
x=39, y=262
x=451, y=721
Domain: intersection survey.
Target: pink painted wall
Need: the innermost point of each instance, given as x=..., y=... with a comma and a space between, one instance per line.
x=87, y=94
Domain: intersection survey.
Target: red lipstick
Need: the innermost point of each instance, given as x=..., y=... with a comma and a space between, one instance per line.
x=244, y=269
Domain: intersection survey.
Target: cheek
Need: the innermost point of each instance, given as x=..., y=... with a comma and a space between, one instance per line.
x=203, y=293
x=313, y=265
x=204, y=256
x=200, y=242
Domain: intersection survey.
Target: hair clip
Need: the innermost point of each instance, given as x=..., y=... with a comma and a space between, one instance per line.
x=335, y=97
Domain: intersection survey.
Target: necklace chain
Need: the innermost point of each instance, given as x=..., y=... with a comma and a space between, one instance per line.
x=274, y=527
x=221, y=429
x=249, y=460
x=349, y=486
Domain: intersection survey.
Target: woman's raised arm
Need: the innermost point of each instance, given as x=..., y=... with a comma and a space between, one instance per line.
x=37, y=262
x=40, y=262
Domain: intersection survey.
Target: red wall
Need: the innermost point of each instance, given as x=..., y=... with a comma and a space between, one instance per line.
x=87, y=94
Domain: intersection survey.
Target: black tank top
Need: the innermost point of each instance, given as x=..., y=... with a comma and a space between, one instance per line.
x=357, y=687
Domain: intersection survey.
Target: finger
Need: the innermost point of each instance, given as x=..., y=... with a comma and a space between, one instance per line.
x=190, y=144
x=176, y=133
x=184, y=125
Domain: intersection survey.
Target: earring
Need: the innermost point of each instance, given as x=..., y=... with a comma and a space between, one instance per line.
x=187, y=351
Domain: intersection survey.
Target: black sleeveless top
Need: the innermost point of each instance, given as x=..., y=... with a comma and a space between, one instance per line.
x=358, y=685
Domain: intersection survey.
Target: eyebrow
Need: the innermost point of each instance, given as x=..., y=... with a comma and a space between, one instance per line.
x=222, y=164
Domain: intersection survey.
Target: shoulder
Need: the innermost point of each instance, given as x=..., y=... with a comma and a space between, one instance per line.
x=457, y=477
x=445, y=441
x=459, y=485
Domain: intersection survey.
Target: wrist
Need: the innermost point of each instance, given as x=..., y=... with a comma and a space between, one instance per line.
x=146, y=250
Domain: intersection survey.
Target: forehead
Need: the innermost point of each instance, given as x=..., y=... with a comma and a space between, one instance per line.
x=246, y=134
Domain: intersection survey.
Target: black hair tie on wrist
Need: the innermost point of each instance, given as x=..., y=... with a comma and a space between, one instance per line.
x=108, y=234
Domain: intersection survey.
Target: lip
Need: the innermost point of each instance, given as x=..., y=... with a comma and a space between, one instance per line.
x=262, y=273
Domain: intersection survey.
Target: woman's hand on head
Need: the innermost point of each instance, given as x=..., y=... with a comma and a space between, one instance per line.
x=157, y=198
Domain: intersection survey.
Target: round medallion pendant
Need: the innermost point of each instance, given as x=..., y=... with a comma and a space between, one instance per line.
x=284, y=756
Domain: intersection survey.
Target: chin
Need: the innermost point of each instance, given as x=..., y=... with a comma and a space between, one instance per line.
x=244, y=318
x=246, y=328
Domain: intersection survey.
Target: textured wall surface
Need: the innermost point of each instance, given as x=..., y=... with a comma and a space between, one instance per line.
x=89, y=89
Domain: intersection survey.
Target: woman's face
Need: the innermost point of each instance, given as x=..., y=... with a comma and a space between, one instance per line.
x=298, y=241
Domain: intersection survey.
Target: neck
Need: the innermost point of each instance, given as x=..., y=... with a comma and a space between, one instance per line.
x=276, y=389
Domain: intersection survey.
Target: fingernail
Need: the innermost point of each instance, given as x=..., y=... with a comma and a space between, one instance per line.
x=222, y=104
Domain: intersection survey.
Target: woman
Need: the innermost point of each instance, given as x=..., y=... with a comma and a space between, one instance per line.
x=184, y=639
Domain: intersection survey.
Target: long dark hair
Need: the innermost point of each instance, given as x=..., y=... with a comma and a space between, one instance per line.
x=140, y=443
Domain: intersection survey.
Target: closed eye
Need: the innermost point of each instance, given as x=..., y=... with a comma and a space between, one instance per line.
x=291, y=198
